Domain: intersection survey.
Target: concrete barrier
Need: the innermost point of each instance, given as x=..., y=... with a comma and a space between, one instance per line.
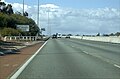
x=112, y=39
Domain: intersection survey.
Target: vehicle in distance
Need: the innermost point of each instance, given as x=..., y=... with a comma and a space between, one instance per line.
x=59, y=36
x=68, y=36
x=54, y=36
x=2, y=54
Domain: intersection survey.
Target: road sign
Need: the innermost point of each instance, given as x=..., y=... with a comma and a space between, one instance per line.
x=23, y=27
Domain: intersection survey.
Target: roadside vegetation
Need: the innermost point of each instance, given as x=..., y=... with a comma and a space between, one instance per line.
x=112, y=34
x=9, y=20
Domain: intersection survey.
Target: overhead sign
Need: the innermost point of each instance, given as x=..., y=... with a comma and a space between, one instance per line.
x=23, y=27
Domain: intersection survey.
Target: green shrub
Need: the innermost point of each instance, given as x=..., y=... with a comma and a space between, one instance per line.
x=10, y=21
x=9, y=32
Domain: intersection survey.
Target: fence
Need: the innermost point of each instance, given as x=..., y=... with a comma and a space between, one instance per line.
x=20, y=38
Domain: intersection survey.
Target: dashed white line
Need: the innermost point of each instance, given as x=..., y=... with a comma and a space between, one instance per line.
x=106, y=60
x=72, y=46
x=85, y=52
x=116, y=65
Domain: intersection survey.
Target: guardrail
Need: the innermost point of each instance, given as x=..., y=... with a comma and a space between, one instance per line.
x=112, y=39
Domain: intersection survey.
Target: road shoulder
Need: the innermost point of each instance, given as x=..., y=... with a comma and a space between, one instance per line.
x=10, y=63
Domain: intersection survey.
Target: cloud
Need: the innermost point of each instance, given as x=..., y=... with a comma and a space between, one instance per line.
x=49, y=6
x=19, y=7
x=2, y=0
x=77, y=21
x=90, y=21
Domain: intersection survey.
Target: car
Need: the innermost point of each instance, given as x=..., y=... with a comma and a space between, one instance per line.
x=2, y=54
x=67, y=36
x=54, y=36
x=59, y=36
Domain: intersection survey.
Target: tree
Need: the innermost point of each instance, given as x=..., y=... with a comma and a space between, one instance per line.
x=25, y=14
x=9, y=32
x=2, y=7
x=18, y=13
x=70, y=35
x=117, y=34
x=9, y=9
x=10, y=20
x=111, y=34
x=3, y=20
x=6, y=9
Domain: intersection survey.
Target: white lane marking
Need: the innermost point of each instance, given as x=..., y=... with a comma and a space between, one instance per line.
x=106, y=60
x=27, y=62
x=85, y=52
x=116, y=65
x=72, y=46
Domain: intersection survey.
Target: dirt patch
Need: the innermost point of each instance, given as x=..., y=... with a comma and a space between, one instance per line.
x=10, y=63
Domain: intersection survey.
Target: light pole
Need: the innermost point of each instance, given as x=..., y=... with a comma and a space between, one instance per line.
x=38, y=15
x=49, y=29
x=23, y=7
x=38, y=18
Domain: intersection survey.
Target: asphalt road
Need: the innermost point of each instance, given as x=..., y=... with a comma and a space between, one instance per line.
x=75, y=59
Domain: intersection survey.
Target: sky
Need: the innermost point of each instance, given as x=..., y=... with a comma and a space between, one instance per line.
x=74, y=16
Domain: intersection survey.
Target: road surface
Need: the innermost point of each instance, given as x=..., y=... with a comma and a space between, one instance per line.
x=75, y=59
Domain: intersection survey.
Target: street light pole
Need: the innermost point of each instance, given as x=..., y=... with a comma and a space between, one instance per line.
x=23, y=7
x=48, y=24
x=49, y=27
x=38, y=16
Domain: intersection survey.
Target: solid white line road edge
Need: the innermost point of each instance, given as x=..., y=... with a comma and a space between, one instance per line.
x=27, y=62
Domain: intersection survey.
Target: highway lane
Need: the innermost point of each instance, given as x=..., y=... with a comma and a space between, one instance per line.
x=106, y=51
x=74, y=59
